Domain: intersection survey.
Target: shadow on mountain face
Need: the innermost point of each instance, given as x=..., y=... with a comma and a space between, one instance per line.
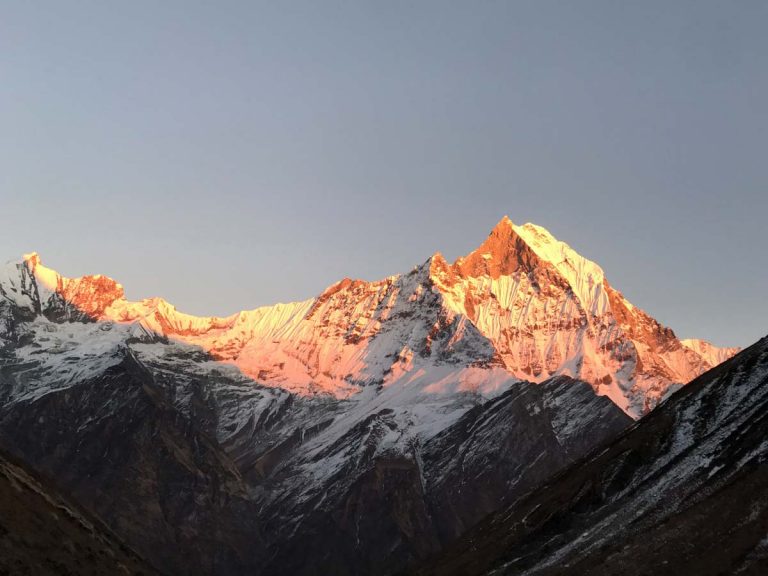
x=684, y=491
x=144, y=468
x=419, y=505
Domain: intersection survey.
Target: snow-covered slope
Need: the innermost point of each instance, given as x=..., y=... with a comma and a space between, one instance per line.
x=523, y=302
x=547, y=310
x=709, y=351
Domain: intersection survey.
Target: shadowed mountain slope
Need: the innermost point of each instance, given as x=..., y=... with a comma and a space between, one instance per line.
x=44, y=534
x=685, y=491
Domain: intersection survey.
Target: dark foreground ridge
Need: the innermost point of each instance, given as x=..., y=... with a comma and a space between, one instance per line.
x=43, y=534
x=684, y=491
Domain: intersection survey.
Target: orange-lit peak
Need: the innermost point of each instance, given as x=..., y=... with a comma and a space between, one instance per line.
x=91, y=295
x=32, y=259
x=522, y=298
x=502, y=253
x=46, y=277
x=503, y=231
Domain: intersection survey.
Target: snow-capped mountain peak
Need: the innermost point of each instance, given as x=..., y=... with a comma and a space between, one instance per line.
x=510, y=248
x=523, y=303
x=583, y=275
x=713, y=354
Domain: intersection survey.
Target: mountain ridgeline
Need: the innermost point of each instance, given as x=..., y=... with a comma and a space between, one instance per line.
x=523, y=303
x=359, y=432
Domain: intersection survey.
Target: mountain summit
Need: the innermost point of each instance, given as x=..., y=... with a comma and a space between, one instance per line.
x=523, y=303
x=548, y=310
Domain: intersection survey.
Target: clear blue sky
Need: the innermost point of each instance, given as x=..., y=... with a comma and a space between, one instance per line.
x=226, y=155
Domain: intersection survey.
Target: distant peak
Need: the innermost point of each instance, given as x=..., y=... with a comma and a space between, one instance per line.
x=510, y=248
x=503, y=226
x=502, y=238
x=32, y=259
x=531, y=233
x=44, y=275
x=708, y=350
x=502, y=253
x=90, y=294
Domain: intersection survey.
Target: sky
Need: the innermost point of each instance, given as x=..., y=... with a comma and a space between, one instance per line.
x=227, y=155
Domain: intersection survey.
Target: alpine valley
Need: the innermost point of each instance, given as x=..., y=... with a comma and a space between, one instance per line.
x=369, y=429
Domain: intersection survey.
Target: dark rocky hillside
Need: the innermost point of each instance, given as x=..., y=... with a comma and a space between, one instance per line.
x=685, y=491
x=44, y=534
x=154, y=472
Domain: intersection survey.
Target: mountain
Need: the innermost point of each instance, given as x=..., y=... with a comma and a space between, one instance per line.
x=712, y=354
x=685, y=491
x=204, y=471
x=523, y=304
x=43, y=533
x=360, y=431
